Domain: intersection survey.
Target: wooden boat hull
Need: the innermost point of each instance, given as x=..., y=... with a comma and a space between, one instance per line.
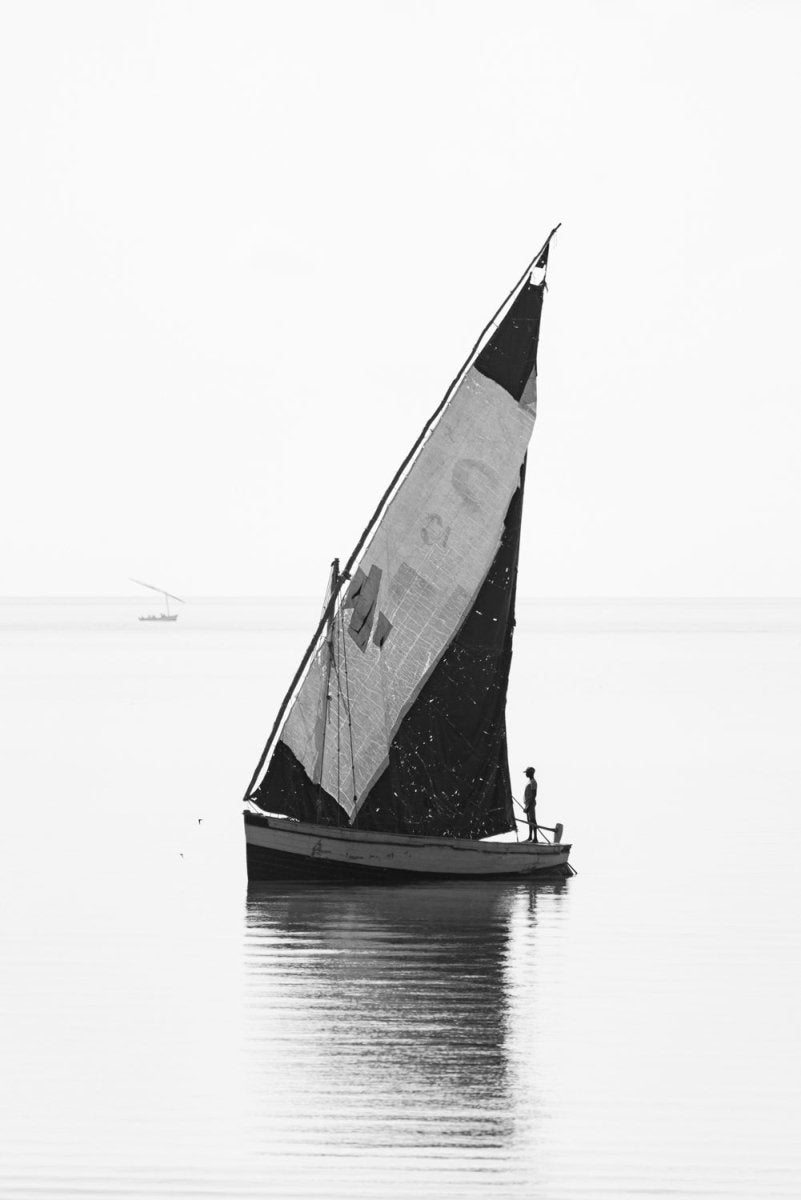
x=278, y=847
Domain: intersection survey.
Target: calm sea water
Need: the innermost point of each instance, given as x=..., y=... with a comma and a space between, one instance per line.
x=634, y=1031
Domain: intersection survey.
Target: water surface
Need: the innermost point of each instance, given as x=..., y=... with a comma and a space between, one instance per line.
x=166, y=1031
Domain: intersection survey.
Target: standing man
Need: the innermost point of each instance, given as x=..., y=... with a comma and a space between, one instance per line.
x=530, y=804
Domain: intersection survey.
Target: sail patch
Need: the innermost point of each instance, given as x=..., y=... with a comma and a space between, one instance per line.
x=362, y=598
x=383, y=627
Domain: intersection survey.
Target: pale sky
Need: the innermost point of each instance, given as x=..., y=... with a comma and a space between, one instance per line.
x=245, y=247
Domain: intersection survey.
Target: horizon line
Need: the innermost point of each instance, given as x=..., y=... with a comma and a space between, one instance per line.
x=309, y=598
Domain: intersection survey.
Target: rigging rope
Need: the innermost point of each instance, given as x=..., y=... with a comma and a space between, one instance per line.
x=347, y=710
x=339, y=696
x=326, y=698
x=337, y=630
x=328, y=645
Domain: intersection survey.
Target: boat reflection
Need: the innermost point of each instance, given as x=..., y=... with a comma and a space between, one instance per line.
x=387, y=1012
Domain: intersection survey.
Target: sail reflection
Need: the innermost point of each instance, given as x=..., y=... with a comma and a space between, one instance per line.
x=385, y=1013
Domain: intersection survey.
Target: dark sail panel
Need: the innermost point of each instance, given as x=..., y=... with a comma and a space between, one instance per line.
x=448, y=772
x=510, y=355
x=287, y=789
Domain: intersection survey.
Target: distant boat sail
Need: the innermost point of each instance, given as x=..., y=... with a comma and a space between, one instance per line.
x=164, y=616
x=388, y=756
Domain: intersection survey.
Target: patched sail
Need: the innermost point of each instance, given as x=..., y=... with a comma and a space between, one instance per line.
x=399, y=722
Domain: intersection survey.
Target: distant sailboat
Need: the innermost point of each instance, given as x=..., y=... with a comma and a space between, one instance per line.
x=387, y=759
x=165, y=616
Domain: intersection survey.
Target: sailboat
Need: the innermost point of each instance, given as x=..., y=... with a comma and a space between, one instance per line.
x=168, y=596
x=387, y=759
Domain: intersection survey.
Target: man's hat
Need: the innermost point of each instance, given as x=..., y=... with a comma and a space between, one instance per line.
x=529, y=771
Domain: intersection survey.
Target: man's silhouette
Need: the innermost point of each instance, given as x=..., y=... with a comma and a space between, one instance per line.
x=530, y=804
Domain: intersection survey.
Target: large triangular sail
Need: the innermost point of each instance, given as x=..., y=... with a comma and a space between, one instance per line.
x=399, y=721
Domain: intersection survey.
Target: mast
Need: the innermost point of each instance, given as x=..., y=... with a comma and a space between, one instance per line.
x=329, y=656
x=538, y=260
